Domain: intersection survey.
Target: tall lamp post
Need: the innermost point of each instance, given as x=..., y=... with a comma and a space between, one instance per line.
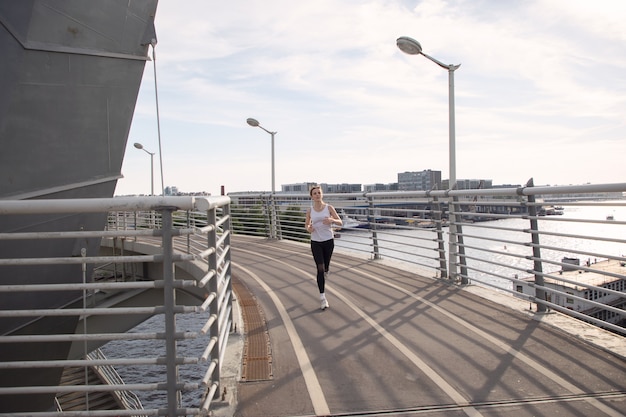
x=255, y=123
x=140, y=146
x=412, y=47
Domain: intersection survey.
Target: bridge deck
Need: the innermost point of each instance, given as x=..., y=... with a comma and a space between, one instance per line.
x=395, y=343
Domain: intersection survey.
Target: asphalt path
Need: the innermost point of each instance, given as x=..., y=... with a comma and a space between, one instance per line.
x=397, y=343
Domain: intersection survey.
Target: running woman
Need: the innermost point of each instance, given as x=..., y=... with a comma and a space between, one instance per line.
x=320, y=218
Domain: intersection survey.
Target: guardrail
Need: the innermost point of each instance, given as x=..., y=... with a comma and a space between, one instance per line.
x=560, y=247
x=109, y=374
x=185, y=270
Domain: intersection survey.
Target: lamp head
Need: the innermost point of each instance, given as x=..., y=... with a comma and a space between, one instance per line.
x=138, y=145
x=409, y=45
x=253, y=122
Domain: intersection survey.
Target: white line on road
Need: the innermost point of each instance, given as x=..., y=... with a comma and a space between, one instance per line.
x=455, y=395
x=310, y=377
x=502, y=345
x=436, y=378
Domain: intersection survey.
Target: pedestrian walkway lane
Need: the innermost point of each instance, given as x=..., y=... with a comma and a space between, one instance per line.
x=394, y=343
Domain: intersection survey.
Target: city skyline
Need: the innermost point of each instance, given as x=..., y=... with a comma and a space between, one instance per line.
x=464, y=183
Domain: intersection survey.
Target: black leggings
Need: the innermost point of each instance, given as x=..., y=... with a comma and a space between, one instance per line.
x=322, y=252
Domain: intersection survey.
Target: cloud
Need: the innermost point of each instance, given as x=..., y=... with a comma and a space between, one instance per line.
x=541, y=89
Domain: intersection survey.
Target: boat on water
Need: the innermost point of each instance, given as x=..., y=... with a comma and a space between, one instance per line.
x=350, y=222
x=70, y=75
x=582, y=280
x=550, y=211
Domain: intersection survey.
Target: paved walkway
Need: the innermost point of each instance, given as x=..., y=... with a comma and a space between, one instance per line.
x=394, y=343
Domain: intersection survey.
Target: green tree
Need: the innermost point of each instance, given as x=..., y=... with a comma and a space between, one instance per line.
x=249, y=220
x=292, y=224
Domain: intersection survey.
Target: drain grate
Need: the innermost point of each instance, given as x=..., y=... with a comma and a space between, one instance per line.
x=257, y=353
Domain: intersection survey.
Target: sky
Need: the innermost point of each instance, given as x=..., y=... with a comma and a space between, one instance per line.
x=540, y=93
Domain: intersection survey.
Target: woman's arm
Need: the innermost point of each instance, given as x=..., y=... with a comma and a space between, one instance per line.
x=335, y=217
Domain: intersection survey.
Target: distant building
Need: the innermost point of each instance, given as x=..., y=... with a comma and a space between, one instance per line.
x=341, y=188
x=304, y=187
x=419, y=180
x=369, y=188
x=507, y=186
x=300, y=187
x=471, y=184
x=173, y=190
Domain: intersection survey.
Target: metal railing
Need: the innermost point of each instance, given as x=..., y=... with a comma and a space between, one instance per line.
x=560, y=248
x=109, y=374
x=166, y=257
x=170, y=257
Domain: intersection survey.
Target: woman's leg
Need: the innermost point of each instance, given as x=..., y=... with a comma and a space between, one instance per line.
x=329, y=247
x=317, y=248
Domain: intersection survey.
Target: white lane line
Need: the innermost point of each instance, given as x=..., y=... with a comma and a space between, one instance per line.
x=456, y=396
x=505, y=347
x=310, y=377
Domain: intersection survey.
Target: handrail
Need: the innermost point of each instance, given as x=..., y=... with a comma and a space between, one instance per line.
x=411, y=227
x=105, y=205
x=110, y=376
x=504, y=242
x=140, y=232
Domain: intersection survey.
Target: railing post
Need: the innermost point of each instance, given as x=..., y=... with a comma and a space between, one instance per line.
x=83, y=254
x=169, y=302
x=372, y=225
x=227, y=228
x=540, y=294
x=276, y=230
x=269, y=215
x=441, y=247
x=189, y=225
x=213, y=287
x=451, y=236
x=459, y=241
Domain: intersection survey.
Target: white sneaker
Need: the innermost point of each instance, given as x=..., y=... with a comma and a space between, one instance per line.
x=324, y=305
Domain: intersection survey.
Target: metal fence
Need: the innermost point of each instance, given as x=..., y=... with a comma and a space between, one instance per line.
x=560, y=248
x=160, y=257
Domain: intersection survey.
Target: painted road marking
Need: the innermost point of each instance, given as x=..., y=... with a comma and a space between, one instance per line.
x=310, y=377
x=493, y=340
x=428, y=371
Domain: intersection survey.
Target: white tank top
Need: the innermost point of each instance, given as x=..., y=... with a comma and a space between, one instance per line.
x=321, y=231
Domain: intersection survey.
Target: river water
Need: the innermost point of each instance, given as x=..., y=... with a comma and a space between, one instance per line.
x=193, y=322
x=148, y=374
x=498, y=252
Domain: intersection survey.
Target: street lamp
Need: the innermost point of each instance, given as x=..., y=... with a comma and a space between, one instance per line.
x=412, y=47
x=140, y=146
x=255, y=123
